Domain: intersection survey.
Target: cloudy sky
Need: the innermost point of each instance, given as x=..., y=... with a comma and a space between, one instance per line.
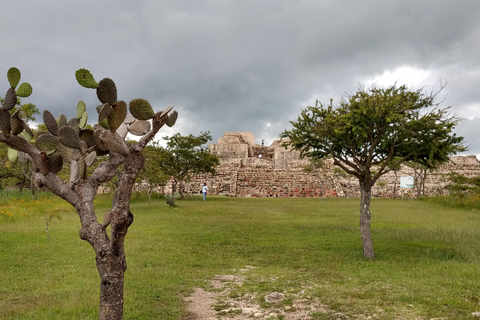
x=244, y=65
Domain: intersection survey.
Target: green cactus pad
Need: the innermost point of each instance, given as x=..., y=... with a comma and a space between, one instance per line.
x=69, y=137
x=24, y=90
x=86, y=135
x=50, y=122
x=5, y=122
x=139, y=127
x=26, y=135
x=90, y=158
x=55, y=162
x=13, y=75
x=62, y=120
x=104, y=123
x=83, y=120
x=46, y=142
x=10, y=99
x=82, y=168
x=12, y=155
x=141, y=109
x=106, y=91
x=40, y=133
x=118, y=114
x=81, y=108
x=172, y=118
x=85, y=79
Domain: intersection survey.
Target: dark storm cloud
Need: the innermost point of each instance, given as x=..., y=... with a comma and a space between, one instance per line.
x=240, y=65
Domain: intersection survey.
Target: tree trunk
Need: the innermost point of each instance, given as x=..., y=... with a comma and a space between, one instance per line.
x=365, y=218
x=111, y=268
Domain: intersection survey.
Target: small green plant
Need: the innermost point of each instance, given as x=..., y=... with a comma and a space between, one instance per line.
x=51, y=214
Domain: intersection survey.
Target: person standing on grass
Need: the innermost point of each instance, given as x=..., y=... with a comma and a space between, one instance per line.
x=204, y=191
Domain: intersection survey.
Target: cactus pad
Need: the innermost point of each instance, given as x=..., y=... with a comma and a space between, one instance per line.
x=16, y=125
x=55, y=162
x=122, y=130
x=83, y=120
x=114, y=143
x=62, y=120
x=85, y=79
x=50, y=122
x=129, y=119
x=26, y=135
x=13, y=75
x=74, y=123
x=118, y=114
x=166, y=110
x=81, y=108
x=104, y=112
x=39, y=133
x=172, y=118
x=69, y=137
x=90, y=159
x=82, y=168
x=104, y=123
x=12, y=155
x=5, y=122
x=106, y=91
x=98, y=141
x=24, y=90
x=10, y=99
x=86, y=135
x=139, y=127
x=141, y=109
x=22, y=157
x=46, y=142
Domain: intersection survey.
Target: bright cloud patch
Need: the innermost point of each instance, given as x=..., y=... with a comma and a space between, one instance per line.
x=411, y=77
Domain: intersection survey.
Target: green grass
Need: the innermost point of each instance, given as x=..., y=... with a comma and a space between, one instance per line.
x=427, y=261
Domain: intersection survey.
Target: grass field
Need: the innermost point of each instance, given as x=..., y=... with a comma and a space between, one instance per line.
x=427, y=261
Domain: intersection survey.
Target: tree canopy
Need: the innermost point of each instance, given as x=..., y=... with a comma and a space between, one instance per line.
x=184, y=156
x=370, y=131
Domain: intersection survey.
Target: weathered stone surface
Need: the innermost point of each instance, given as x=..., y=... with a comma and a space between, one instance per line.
x=250, y=170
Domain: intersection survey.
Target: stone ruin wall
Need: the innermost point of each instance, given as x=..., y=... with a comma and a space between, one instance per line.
x=250, y=170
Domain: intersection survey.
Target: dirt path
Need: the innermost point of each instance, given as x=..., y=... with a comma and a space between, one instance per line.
x=221, y=301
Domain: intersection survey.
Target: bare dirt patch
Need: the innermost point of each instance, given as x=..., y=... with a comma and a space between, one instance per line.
x=224, y=299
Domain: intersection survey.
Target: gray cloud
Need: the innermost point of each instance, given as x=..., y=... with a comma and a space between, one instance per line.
x=240, y=65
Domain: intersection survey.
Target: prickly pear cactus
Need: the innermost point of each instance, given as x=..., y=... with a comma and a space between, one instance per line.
x=13, y=75
x=141, y=109
x=68, y=141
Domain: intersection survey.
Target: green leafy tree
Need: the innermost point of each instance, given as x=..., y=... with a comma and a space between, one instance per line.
x=372, y=129
x=462, y=187
x=152, y=174
x=184, y=156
